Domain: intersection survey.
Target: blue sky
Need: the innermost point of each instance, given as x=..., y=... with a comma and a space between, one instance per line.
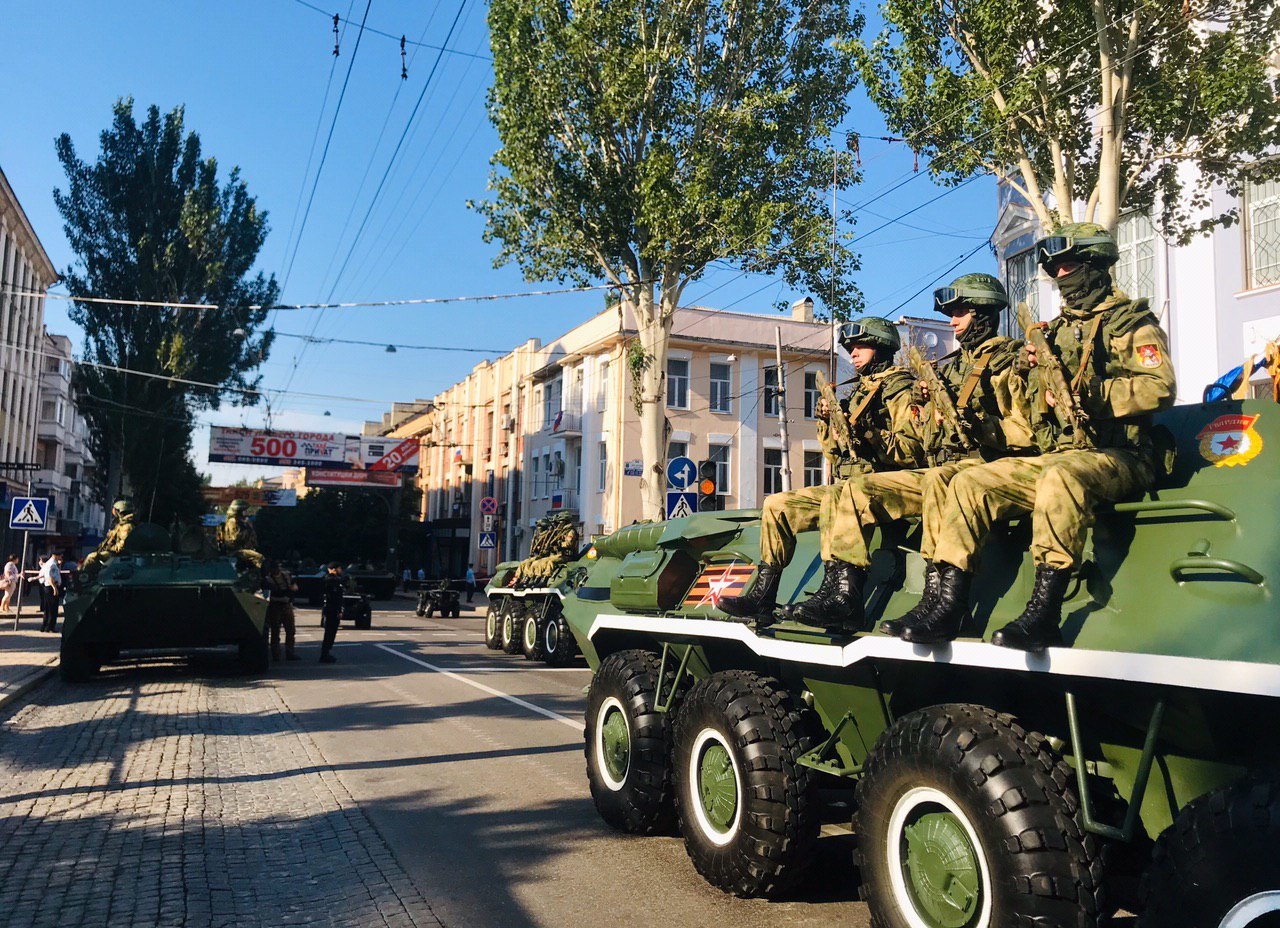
x=252, y=75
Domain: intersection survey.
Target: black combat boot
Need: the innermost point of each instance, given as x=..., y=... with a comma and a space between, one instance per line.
x=1037, y=627
x=837, y=605
x=894, y=627
x=762, y=599
x=950, y=609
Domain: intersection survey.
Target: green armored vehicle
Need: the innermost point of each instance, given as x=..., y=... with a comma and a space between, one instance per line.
x=529, y=620
x=1135, y=767
x=151, y=598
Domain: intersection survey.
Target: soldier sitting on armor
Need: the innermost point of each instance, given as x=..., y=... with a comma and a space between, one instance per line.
x=236, y=536
x=113, y=544
x=554, y=545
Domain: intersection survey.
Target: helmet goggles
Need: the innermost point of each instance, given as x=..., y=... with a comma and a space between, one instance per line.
x=854, y=332
x=951, y=300
x=1054, y=249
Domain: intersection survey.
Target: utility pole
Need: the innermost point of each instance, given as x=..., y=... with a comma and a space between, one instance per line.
x=782, y=410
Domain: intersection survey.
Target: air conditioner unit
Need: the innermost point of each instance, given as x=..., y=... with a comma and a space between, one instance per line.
x=509, y=423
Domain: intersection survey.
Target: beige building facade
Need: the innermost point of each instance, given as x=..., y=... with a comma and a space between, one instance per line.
x=552, y=426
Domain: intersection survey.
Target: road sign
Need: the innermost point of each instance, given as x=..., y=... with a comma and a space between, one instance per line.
x=29, y=513
x=488, y=522
x=681, y=504
x=633, y=469
x=488, y=541
x=682, y=473
x=489, y=506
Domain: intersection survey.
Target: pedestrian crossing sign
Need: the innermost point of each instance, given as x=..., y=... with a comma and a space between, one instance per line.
x=29, y=513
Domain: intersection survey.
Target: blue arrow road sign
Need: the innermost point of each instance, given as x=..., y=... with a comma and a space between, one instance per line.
x=29, y=513
x=682, y=473
x=488, y=541
x=681, y=504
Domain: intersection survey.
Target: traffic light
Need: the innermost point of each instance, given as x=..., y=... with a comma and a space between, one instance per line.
x=708, y=501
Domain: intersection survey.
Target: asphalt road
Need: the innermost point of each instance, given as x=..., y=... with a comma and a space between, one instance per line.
x=469, y=763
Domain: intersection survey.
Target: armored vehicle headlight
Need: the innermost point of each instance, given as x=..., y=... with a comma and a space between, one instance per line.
x=592, y=553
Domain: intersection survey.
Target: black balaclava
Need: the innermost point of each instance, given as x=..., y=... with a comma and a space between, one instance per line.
x=1083, y=289
x=980, y=329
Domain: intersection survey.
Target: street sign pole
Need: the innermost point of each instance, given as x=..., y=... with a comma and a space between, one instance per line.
x=22, y=565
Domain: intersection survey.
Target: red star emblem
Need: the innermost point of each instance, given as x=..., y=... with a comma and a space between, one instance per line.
x=1228, y=443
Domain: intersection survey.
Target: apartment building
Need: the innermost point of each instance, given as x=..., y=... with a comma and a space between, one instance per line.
x=553, y=427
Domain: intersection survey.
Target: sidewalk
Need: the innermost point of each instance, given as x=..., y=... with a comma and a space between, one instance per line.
x=26, y=656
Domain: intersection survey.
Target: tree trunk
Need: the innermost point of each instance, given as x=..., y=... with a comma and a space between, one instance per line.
x=654, y=324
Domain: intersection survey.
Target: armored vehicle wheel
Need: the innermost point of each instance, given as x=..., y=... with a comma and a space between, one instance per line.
x=747, y=809
x=364, y=619
x=557, y=640
x=457, y=611
x=628, y=745
x=493, y=626
x=531, y=636
x=255, y=654
x=511, y=615
x=76, y=663
x=966, y=821
x=428, y=612
x=1215, y=866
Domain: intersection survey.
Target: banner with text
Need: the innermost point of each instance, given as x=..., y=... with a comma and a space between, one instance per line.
x=352, y=478
x=254, y=496
x=328, y=450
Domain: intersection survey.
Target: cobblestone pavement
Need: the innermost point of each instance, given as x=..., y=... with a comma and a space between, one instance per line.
x=153, y=797
x=23, y=654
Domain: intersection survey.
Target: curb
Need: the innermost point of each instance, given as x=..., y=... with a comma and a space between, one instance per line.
x=32, y=680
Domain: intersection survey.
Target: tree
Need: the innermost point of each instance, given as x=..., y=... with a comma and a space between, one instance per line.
x=150, y=221
x=1097, y=102
x=308, y=531
x=641, y=142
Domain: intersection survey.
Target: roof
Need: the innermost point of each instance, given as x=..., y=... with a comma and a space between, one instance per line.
x=35, y=250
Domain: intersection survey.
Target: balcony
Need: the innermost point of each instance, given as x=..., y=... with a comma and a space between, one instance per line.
x=564, y=498
x=566, y=422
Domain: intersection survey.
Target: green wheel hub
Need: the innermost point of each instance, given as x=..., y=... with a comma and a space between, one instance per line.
x=615, y=743
x=942, y=868
x=530, y=634
x=718, y=787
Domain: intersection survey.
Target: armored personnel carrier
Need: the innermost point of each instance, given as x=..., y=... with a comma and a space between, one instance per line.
x=530, y=620
x=152, y=598
x=991, y=787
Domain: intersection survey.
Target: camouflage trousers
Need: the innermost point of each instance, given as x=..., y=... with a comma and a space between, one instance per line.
x=1059, y=490
x=537, y=570
x=868, y=500
x=787, y=514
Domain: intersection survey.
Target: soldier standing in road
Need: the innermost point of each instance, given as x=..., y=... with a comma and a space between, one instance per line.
x=113, y=544
x=280, y=590
x=237, y=536
x=1095, y=442
x=331, y=610
x=886, y=437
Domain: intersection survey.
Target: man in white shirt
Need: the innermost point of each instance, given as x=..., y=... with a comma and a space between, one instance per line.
x=9, y=582
x=50, y=591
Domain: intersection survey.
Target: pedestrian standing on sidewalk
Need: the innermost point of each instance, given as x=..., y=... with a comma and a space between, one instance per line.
x=471, y=582
x=280, y=590
x=408, y=575
x=331, y=610
x=50, y=577
x=9, y=582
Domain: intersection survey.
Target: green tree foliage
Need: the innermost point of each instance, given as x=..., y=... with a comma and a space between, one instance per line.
x=642, y=141
x=149, y=220
x=349, y=526
x=1101, y=103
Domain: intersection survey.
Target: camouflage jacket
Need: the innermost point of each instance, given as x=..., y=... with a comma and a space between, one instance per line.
x=114, y=542
x=886, y=433
x=1129, y=376
x=997, y=410
x=236, y=535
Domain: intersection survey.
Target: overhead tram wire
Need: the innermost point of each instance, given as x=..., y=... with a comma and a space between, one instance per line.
x=328, y=140
x=388, y=35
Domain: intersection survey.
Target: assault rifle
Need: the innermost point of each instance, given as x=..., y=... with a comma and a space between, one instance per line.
x=836, y=419
x=941, y=400
x=1066, y=400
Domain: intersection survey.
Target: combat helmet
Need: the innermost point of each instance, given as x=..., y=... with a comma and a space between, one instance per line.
x=1086, y=242
x=980, y=292
x=237, y=505
x=873, y=331
x=122, y=507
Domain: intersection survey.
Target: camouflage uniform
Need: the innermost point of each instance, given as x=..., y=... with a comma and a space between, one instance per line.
x=280, y=587
x=113, y=544
x=237, y=536
x=561, y=545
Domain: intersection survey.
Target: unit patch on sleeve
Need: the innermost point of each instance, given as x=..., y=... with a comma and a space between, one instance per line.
x=1149, y=356
x=1230, y=440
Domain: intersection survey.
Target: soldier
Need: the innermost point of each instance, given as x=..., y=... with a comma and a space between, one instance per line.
x=1095, y=442
x=991, y=420
x=885, y=437
x=537, y=546
x=113, y=544
x=560, y=543
x=236, y=536
x=331, y=610
x=280, y=590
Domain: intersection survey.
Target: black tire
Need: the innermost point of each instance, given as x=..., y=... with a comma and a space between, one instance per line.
x=632, y=793
x=747, y=809
x=365, y=618
x=76, y=663
x=558, y=643
x=457, y=611
x=493, y=626
x=431, y=611
x=982, y=790
x=512, y=614
x=531, y=635
x=419, y=611
x=1218, y=859
x=255, y=654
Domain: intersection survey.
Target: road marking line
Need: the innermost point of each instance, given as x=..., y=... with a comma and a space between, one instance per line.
x=547, y=713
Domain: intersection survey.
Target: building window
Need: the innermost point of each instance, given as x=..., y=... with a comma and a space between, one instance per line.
x=721, y=399
x=549, y=481
x=47, y=410
x=772, y=470
x=604, y=465
x=602, y=399
x=677, y=449
x=722, y=455
x=770, y=391
x=1135, y=272
x=550, y=403
x=1020, y=279
x=813, y=469
x=1262, y=231
x=536, y=491
x=677, y=383
x=811, y=394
